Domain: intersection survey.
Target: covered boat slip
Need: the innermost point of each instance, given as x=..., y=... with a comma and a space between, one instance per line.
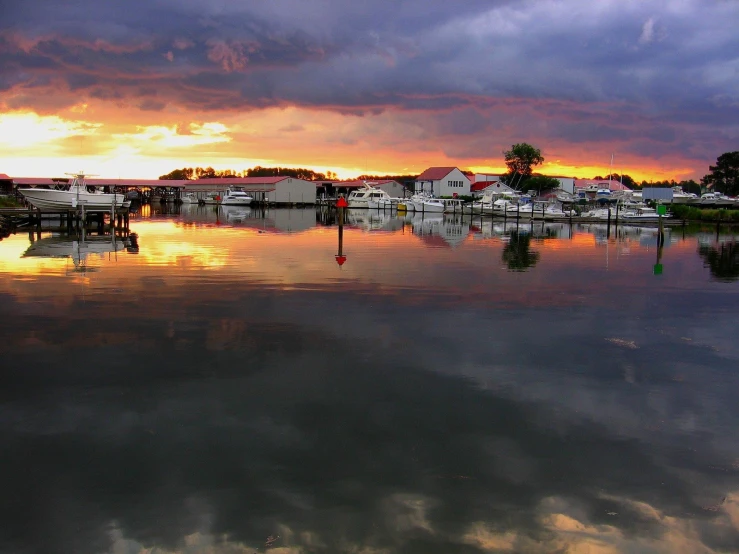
x=269, y=190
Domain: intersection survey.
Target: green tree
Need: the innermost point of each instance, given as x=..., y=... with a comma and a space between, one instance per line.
x=724, y=176
x=690, y=186
x=517, y=254
x=521, y=159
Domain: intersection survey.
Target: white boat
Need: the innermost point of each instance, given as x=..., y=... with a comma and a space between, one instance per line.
x=425, y=203
x=679, y=196
x=190, y=198
x=645, y=215
x=76, y=195
x=368, y=197
x=236, y=197
x=212, y=198
x=716, y=199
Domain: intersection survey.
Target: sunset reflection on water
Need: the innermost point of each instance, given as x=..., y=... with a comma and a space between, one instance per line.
x=456, y=385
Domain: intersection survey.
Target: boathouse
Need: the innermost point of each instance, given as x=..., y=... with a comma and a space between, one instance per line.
x=273, y=190
x=443, y=181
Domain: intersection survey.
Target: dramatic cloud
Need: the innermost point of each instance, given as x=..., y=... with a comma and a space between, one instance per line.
x=430, y=62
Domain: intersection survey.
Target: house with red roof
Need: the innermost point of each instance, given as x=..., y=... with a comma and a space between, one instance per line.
x=443, y=181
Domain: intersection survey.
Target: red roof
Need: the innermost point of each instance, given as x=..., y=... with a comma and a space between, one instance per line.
x=4, y=177
x=435, y=173
x=482, y=185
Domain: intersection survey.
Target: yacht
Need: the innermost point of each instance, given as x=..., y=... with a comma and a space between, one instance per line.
x=78, y=194
x=679, y=196
x=236, y=197
x=368, y=197
x=717, y=199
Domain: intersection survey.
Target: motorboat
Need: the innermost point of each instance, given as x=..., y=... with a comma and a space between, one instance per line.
x=190, y=198
x=369, y=197
x=425, y=203
x=77, y=194
x=212, y=198
x=679, y=196
x=236, y=197
x=716, y=199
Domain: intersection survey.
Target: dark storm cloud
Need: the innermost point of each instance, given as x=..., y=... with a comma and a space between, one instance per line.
x=673, y=64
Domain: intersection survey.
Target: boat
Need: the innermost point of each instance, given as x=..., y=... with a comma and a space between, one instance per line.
x=190, y=198
x=236, y=197
x=368, y=197
x=716, y=199
x=679, y=196
x=425, y=203
x=76, y=195
x=212, y=198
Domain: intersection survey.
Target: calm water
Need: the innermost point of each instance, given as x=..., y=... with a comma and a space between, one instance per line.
x=455, y=386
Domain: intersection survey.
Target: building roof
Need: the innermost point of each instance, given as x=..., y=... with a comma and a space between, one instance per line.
x=436, y=173
x=171, y=183
x=612, y=184
x=482, y=185
x=4, y=177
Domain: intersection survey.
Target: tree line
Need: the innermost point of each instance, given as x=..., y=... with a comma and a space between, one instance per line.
x=188, y=173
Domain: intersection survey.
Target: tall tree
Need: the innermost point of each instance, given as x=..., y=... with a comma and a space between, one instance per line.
x=521, y=159
x=724, y=176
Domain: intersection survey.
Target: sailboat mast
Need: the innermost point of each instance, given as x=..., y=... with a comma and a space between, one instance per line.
x=611, y=172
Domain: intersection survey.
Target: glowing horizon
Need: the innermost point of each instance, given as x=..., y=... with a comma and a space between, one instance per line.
x=25, y=132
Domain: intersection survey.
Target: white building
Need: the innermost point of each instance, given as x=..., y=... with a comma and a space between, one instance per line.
x=443, y=181
x=566, y=183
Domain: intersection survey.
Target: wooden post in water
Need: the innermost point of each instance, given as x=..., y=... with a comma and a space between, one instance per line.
x=341, y=203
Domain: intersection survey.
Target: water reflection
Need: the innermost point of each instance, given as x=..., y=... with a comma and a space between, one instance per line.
x=722, y=260
x=230, y=389
x=517, y=253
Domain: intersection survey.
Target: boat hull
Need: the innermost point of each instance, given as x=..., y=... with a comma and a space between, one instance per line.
x=236, y=202
x=50, y=199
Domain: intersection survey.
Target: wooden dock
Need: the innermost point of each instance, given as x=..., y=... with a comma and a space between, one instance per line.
x=68, y=219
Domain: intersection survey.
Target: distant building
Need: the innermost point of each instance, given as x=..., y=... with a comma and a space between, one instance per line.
x=565, y=183
x=443, y=181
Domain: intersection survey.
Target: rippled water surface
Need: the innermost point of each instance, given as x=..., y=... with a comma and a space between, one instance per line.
x=224, y=385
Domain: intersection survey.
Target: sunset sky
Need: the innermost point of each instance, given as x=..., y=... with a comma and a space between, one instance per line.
x=139, y=88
